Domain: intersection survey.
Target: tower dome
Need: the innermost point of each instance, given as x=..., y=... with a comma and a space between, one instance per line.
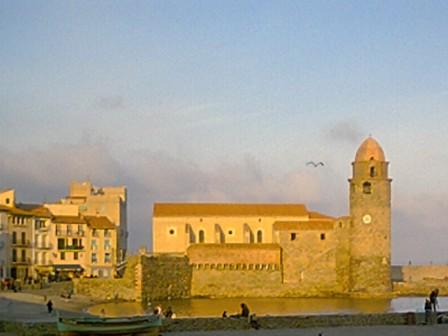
x=370, y=149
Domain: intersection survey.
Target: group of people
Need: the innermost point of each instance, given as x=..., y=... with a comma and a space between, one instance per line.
x=245, y=313
x=169, y=314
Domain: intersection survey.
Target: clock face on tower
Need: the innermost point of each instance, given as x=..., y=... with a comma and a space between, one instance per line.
x=367, y=219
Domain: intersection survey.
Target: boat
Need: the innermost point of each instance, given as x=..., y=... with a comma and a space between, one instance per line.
x=136, y=325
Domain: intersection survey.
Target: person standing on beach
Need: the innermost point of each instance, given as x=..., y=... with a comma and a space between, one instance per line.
x=433, y=299
x=49, y=306
x=428, y=310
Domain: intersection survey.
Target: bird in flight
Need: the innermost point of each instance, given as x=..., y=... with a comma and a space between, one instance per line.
x=315, y=164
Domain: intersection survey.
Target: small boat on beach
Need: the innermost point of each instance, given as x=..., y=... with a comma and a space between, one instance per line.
x=137, y=325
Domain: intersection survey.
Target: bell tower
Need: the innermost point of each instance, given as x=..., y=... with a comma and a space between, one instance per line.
x=370, y=212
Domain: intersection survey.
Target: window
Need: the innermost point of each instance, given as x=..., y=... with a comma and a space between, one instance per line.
x=62, y=255
x=230, y=232
x=172, y=232
x=322, y=236
x=61, y=243
x=94, y=233
x=23, y=255
x=106, y=233
x=94, y=258
x=372, y=172
x=366, y=188
x=107, y=258
x=293, y=236
x=14, y=237
x=23, y=236
x=7, y=201
x=94, y=245
x=14, y=255
x=259, y=236
x=107, y=245
x=201, y=236
x=75, y=255
x=69, y=230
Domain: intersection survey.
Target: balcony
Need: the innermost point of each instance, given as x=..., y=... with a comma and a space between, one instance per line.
x=71, y=248
x=26, y=261
x=64, y=233
x=21, y=243
x=41, y=246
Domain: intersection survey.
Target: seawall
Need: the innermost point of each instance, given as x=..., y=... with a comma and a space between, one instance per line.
x=265, y=322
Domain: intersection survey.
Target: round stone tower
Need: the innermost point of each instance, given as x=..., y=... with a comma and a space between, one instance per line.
x=370, y=211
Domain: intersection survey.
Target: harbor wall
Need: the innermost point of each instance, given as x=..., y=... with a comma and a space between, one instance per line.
x=124, y=288
x=265, y=322
x=420, y=279
x=163, y=277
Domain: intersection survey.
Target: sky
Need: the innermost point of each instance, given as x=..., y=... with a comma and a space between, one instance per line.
x=225, y=101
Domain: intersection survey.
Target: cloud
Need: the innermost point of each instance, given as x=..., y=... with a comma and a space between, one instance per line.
x=345, y=131
x=41, y=175
x=44, y=174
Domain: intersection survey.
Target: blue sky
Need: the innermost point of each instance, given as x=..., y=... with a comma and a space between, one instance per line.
x=226, y=101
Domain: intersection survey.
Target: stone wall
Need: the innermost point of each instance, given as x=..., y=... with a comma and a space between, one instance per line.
x=164, y=276
x=104, y=289
x=421, y=279
x=234, y=254
x=252, y=281
x=420, y=273
x=266, y=322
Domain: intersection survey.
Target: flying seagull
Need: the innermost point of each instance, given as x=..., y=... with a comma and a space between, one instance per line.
x=314, y=164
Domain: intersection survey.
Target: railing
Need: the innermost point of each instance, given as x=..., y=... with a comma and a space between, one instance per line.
x=21, y=243
x=25, y=261
x=71, y=248
x=43, y=246
x=70, y=233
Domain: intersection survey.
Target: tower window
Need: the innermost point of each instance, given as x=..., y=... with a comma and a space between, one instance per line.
x=293, y=236
x=172, y=232
x=322, y=236
x=201, y=236
x=259, y=236
x=367, y=188
x=372, y=172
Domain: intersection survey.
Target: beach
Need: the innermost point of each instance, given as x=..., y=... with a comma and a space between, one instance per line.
x=30, y=307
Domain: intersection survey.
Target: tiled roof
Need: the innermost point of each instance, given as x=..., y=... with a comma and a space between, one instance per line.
x=100, y=222
x=318, y=215
x=41, y=212
x=21, y=212
x=28, y=206
x=229, y=210
x=68, y=220
x=4, y=208
x=300, y=225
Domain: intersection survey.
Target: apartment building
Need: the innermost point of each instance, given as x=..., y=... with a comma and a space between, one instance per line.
x=71, y=237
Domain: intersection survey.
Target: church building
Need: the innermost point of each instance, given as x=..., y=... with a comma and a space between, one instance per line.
x=238, y=250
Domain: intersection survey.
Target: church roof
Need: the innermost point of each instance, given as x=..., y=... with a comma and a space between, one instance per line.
x=99, y=222
x=302, y=225
x=370, y=149
x=228, y=209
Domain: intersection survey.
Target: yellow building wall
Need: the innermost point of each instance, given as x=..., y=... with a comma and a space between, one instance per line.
x=7, y=198
x=59, y=209
x=172, y=234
